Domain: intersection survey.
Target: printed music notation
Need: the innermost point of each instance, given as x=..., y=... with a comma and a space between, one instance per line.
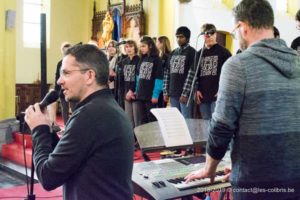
x=173, y=127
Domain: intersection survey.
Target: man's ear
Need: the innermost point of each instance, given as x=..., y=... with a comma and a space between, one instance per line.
x=90, y=76
x=244, y=27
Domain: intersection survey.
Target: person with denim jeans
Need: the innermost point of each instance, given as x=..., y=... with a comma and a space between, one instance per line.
x=180, y=61
x=213, y=57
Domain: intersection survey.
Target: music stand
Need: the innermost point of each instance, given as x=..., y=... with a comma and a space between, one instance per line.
x=150, y=138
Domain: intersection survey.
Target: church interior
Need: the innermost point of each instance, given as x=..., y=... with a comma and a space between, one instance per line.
x=24, y=76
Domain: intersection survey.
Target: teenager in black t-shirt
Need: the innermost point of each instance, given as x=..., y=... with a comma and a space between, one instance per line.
x=213, y=57
x=148, y=82
x=128, y=76
x=180, y=61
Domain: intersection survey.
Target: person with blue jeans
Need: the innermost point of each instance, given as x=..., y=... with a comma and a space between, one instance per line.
x=180, y=61
x=213, y=57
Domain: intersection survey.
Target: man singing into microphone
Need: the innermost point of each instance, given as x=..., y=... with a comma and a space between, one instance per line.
x=213, y=57
x=92, y=160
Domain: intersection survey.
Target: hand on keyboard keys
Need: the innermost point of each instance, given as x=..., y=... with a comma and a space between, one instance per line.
x=181, y=184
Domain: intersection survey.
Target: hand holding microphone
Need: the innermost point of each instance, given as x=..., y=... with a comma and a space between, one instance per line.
x=36, y=114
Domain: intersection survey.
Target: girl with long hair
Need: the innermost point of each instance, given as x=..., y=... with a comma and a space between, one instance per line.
x=149, y=81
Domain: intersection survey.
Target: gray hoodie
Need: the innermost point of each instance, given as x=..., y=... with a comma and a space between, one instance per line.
x=258, y=106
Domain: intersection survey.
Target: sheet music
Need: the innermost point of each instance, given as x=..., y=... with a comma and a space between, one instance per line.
x=173, y=127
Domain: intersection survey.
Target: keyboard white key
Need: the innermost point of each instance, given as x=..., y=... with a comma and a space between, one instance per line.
x=198, y=183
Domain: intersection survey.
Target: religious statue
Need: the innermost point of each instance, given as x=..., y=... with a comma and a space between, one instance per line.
x=108, y=27
x=133, y=31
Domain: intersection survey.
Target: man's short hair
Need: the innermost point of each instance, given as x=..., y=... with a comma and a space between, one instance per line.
x=185, y=31
x=257, y=13
x=90, y=57
x=297, y=17
x=208, y=28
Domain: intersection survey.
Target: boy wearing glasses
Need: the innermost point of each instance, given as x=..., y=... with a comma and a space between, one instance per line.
x=213, y=57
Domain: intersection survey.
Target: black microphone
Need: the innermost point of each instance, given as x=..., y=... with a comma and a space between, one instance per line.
x=120, y=43
x=50, y=97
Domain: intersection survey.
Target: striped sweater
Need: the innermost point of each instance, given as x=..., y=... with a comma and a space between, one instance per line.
x=258, y=108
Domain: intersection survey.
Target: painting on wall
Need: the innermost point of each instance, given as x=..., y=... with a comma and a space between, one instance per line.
x=118, y=21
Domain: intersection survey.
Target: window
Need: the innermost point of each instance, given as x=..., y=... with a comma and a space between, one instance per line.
x=31, y=21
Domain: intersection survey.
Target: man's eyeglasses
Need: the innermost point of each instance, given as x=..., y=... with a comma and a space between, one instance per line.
x=67, y=73
x=233, y=32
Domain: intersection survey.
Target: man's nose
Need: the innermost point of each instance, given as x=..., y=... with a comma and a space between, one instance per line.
x=59, y=81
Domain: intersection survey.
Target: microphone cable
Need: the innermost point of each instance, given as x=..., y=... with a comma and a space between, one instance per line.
x=196, y=68
x=24, y=155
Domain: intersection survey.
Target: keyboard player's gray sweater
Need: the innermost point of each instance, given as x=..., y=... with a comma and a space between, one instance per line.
x=258, y=107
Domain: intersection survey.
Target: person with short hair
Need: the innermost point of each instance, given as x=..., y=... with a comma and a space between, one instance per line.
x=210, y=66
x=112, y=56
x=94, y=157
x=65, y=106
x=296, y=42
x=258, y=110
x=128, y=68
x=180, y=61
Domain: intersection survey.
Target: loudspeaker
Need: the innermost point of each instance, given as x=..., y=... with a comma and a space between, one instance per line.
x=10, y=19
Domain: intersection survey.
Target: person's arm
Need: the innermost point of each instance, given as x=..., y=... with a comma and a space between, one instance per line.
x=187, y=86
x=55, y=167
x=224, y=122
x=158, y=80
x=166, y=82
x=132, y=84
x=209, y=171
x=137, y=78
x=191, y=73
x=157, y=90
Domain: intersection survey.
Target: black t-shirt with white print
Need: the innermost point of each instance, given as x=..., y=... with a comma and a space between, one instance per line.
x=129, y=67
x=180, y=61
x=210, y=70
x=149, y=69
